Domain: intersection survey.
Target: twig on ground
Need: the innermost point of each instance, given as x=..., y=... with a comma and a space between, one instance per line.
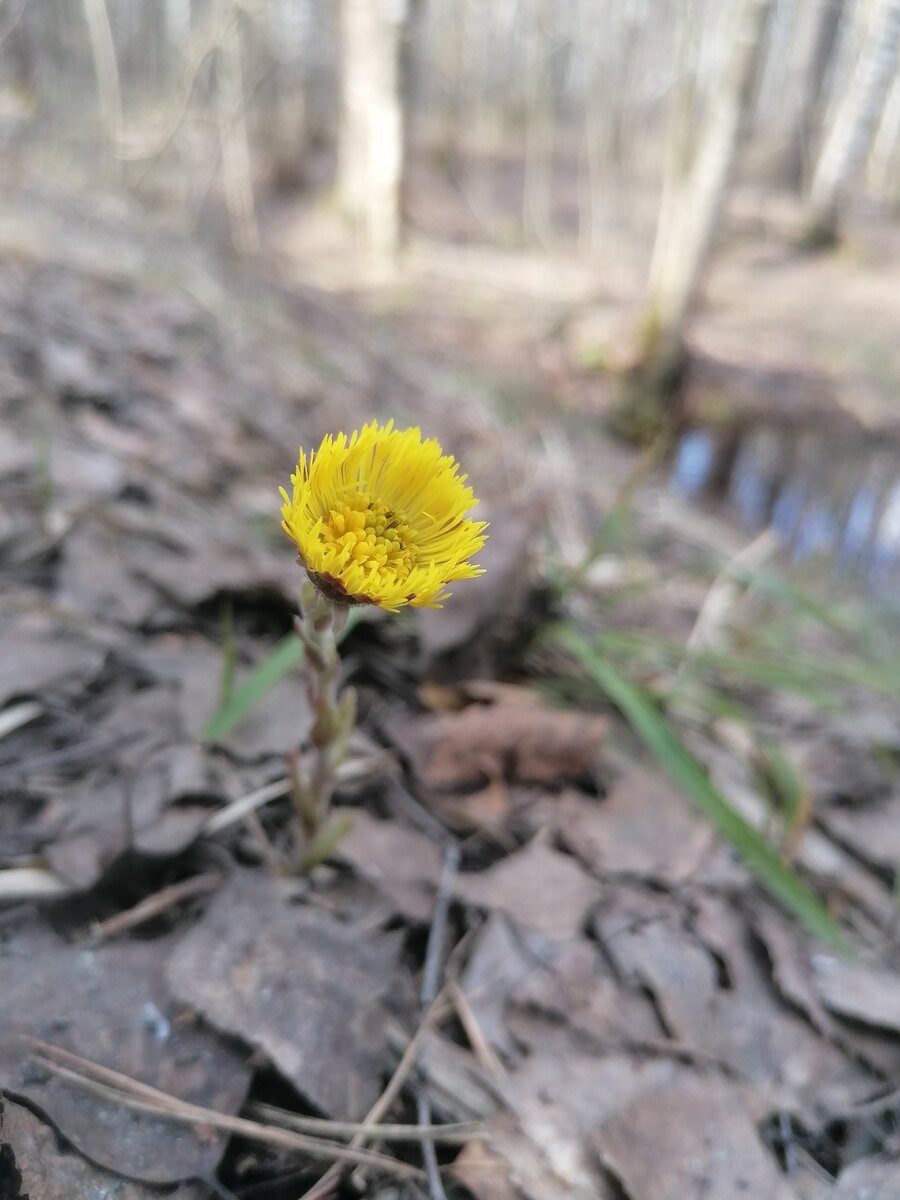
x=463, y=1131
x=325, y=1186
x=484, y=1052
x=67, y=756
x=132, y=1093
x=434, y=957
x=349, y=770
x=17, y=715
x=152, y=906
x=30, y=883
x=238, y=809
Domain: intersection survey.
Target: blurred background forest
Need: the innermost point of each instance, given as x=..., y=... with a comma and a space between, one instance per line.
x=584, y=186
x=636, y=263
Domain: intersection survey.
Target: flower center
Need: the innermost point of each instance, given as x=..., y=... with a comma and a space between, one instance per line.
x=364, y=531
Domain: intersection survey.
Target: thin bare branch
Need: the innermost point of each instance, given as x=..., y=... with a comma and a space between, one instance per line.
x=131, y=1093
x=153, y=906
x=457, y=1134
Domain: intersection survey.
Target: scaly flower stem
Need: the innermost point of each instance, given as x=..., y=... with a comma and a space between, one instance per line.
x=333, y=712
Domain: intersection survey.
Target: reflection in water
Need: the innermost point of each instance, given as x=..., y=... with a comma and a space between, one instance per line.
x=859, y=525
x=886, y=550
x=845, y=506
x=694, y=461
x=788, y=509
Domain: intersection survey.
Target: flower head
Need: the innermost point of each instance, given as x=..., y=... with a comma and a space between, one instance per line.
x=380, y=518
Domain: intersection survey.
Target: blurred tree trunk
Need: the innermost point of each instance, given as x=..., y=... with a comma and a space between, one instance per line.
x=370, y=151
x=106, y=70
x=450, y=65
x=824, y=40
x=538, y=165
x=680, y=141
x=884, y=161
x=412, y=98
x=849, y=140
x=687, y=229
x=234, y=140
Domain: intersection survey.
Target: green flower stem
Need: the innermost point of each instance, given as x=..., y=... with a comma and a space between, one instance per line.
x=333, y=712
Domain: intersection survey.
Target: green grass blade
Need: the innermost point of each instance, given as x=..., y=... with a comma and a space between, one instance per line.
x=286, y=655
x=795, y=671
x=229, y=654
x=688, y=773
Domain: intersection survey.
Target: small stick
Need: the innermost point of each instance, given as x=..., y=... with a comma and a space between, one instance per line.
x=434, y=953
x=327, y=1183
x=484, y=1051
x=350, y=769
x=154, y=905
x=238, y=809
x=131, y=1093
x=459, y=1133
x=30, y=883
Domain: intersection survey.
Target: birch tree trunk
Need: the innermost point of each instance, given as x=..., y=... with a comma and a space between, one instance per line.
x=370, y=150
x=884, y=161
x=691, y=218
x=849, y=140
x=816, y=71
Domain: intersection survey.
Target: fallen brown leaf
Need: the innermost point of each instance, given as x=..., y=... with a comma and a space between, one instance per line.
x=865, y=1179
x=111, y=1005
x=39, y=657
x=643, y=827
x=861, y=992
x=543, y=890
x=872, y=831
x=575, y=985
x=500, y=959
x=42, y=1169
x=790, y=954
x=690, y=1137
x=716, y=999
x=296, y=983
x=521, y=741
x=484, y=1172
x=564, y=1095
x=401, y=863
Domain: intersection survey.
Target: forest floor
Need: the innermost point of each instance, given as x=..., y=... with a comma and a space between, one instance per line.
x=623, y=1010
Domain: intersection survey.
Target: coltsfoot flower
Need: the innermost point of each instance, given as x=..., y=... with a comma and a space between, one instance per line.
x=380, y=518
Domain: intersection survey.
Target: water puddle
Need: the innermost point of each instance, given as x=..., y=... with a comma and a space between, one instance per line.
x=826, y=494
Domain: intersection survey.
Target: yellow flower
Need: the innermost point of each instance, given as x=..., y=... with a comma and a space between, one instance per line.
x=380, y=518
